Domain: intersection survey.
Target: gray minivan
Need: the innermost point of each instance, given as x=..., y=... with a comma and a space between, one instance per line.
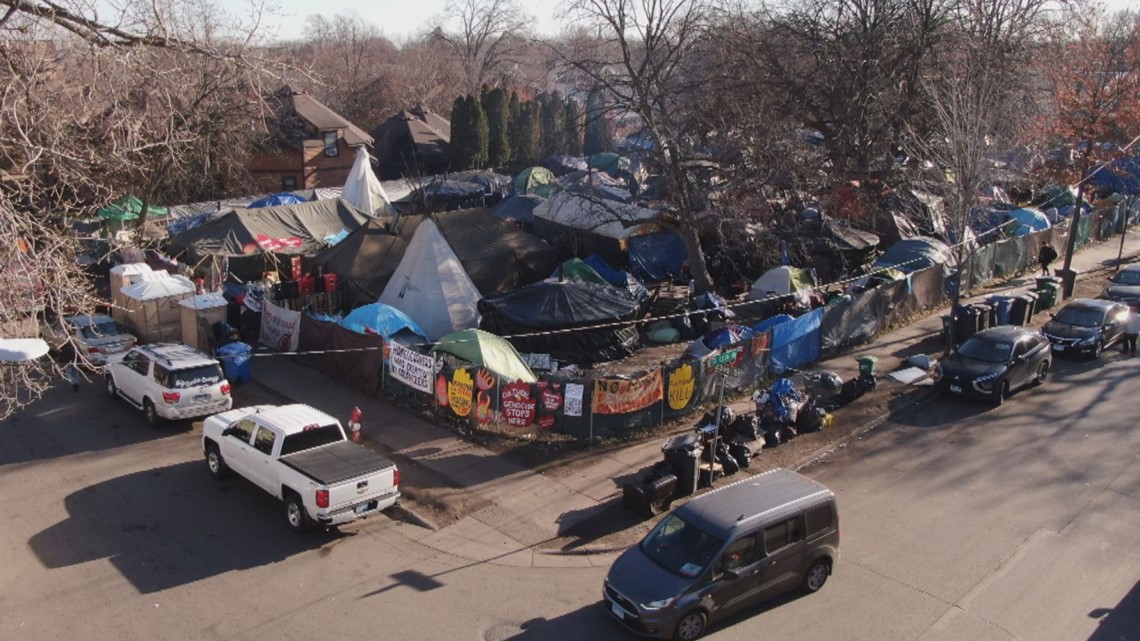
x=724, y=551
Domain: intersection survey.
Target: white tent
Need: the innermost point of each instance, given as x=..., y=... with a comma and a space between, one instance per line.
x=431, y=286
x=364, y=190
x=783, y=280
x=152, y=309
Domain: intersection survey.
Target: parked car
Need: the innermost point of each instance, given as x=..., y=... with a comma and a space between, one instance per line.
x=723, y=552
x=1124, y=286
x=301, y=455
x=1086, y=326
x=995, y=362
x=169, y=381
x=96, y=338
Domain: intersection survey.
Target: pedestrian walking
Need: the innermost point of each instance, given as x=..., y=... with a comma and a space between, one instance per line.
x=1045, y=255
x=1131, y=329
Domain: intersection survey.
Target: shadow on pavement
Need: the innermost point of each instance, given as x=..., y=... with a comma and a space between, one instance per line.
x=587, y=526
x=171, y=526
x=1120, y=622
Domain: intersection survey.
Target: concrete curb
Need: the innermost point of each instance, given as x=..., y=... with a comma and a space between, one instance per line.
x=411, y=516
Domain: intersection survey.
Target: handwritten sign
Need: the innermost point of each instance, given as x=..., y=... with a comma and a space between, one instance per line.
x=519, y=407
x=574, y=393
x=461, y=392
x=280, y=327
x=410, y=367
x=622, y=396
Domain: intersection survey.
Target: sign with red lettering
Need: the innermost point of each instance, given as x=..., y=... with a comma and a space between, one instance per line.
x=519, y=407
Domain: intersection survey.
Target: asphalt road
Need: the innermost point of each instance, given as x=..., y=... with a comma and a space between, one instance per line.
x=958, y=521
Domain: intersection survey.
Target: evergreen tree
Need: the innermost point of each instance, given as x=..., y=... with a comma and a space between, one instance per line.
x=553, y=134
x=573, y=119
x=526, y=153
x=498, y=128
x=597, y=137
x=482, y=135
x=461, y=135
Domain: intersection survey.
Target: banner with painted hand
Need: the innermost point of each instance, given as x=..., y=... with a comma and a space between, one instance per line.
x=280, y=327
x=411, y=367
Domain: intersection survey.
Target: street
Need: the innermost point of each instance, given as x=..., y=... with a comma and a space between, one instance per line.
x=958, y=521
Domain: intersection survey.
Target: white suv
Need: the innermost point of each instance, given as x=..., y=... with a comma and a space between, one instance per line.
x=169, y=381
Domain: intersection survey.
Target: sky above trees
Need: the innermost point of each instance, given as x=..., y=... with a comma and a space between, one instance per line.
x=395, y=18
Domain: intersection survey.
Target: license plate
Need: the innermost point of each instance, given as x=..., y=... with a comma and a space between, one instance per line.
x=363, y=507
x=618, y=612
x=957, y=389
x=1058, y=348
x=201, y=398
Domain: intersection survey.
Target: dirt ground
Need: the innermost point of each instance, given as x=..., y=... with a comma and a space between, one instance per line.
x=443, y=503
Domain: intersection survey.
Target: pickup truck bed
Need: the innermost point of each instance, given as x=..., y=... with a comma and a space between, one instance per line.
x=337, y=463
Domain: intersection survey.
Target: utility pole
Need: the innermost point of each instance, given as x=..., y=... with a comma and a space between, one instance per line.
x=1068, y=277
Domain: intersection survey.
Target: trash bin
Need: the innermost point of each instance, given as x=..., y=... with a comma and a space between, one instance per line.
x=867, y=365
x=683, y=452
x=1019, y=312
x=1047, y=295
x=967, y=324
x=987, y=316
x=1068, y=280
x=948, y=329
x=236, y=359
x=1043, y=281
x=1031, y=297
x=1001, y=305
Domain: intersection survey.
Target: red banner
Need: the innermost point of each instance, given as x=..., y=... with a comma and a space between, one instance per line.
x=621, y=396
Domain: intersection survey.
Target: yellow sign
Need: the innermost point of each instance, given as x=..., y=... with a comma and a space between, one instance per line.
x=682, y=383
x=459, y=392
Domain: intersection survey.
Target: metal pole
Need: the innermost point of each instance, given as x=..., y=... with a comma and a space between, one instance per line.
x=1128, y=202
x=591, y=415
x=716, y=432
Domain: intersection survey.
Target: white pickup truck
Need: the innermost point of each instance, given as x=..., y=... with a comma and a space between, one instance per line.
x=300, y=455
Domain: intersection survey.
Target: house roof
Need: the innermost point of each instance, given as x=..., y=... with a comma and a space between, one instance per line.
x=325, y=119
x=416, y=132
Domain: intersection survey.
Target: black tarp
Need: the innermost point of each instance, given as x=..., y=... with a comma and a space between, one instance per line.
x=496, y=255
x=519, y=207
x=556, y=305
x=351, y=358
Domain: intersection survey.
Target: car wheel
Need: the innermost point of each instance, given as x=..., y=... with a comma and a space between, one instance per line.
x=151, y=413
x=112, y=391
x=691, y=626
x=296, y=515
x=217, y=464
x=1002, y=392
x=817, y=575
x=1042, y=372
x=1097, y=349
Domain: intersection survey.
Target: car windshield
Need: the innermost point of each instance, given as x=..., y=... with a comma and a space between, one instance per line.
x=1131, y=277
x=101, y=330
x=195, y=376
x=680, y=547
x=988, y=350
x=311, y=437
x=1081, y=316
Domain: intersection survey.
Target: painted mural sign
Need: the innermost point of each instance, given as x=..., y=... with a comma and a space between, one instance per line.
x=519, y=406
x=622, y=396
x=460, y=392
x=485, y=383
x=682, y=382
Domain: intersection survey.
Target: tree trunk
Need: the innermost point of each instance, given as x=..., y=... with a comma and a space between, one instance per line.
x=702, y=281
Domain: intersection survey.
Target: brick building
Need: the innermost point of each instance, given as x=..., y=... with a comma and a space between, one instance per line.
x=309, y=145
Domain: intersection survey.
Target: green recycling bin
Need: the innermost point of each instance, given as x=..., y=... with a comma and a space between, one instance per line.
x=948, y=326
x=1047, y=295
x=867, y=365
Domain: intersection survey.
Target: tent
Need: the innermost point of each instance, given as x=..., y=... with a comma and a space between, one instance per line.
x=552, y=305
x=618, y=278
x=561, y=165
x=914, y=254
x=519, y=207
x=1121, y=176
x=494, y=253
x=781, y=281
x=129, y=207
x=586, y=223
x=277, y=200
x=253, y=238
x=654, y=258
x=578, y=269
x=431, y=286
x=152, y=311
x=1029, y=220
x=535, y=180
x=608, y=162
x=486, y=350
x=382, y=320
x=363, y=190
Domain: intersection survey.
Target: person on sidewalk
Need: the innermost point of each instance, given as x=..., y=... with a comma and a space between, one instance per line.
x=1131, y=329
x=1046, y=255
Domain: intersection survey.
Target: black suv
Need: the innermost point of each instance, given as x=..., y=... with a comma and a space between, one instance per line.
x=996, y=361
x=1086, y=326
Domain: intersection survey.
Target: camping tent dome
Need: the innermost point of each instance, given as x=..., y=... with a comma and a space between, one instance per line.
x=383, y=320
x=486, y=350
x=535, y=180
x=781, y=281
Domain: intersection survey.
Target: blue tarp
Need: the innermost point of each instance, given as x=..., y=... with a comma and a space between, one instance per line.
x=179, y=225
x=727, y=335
x=617, y=278
x=1121, y=176
x=276, y=200
x=796, y=342
x=771, y=321
x=656, y=257
x=1029, y=220
x=378, y=318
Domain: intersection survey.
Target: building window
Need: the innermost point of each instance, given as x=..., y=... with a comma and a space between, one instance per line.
x=288, y=183
x=330, y=144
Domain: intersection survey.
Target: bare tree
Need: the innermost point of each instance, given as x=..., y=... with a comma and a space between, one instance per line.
x=488, y=34
x=349, y=60
x=153, y=102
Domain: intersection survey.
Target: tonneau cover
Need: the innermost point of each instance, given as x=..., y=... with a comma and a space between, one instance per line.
x=337, y=463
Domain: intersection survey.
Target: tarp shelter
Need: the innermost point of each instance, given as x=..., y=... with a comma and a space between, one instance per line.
x=129, y=207
x=926, y=211
x=1029, y=220
x=782, y=281
x=519, y=208
x=608, y=162
x=715, y=339
x=452, y=194
x=415, y=142
x=495, y=254
x=562, y=165
x=152, y=310
x=277, y=200
x=484, y=349
x=578, y=269
x=535, y=180
x=382, y=320
x=584, y=223
x=796, y=342
x=1121, y=176
x=362, y=189
x=491, y=182
x=914, y=254
x=553, y=305
x=654, y=258
x=255, y=239
x=618, y=278
x=198, y=315
x=431, y=286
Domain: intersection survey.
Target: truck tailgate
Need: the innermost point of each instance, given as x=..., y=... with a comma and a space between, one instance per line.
x=337, y=463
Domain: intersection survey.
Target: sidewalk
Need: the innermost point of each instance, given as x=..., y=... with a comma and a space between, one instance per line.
x=569, y=514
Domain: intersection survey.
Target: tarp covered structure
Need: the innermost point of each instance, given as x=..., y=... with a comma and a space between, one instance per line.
x=559, y=305
x=495, y=254
x=584, y=223
x=277, y=200
x=796, y=342
x=657, y=257
x=562, y=165
x=1121, y=176
x=914, y=254
x=1029, y=220
x=486, y=350
x=363, y=190
x=129, y=207
x=618, y=278
x=519, y=207
x=253, y=238
x=382, y=320
x=431, y=286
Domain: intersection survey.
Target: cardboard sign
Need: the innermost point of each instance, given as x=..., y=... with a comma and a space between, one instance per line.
x=410, y=367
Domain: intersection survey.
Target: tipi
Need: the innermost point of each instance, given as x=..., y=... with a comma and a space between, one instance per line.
x=363, y=188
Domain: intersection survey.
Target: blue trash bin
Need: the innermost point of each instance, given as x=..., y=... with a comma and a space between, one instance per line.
x=236, y=359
